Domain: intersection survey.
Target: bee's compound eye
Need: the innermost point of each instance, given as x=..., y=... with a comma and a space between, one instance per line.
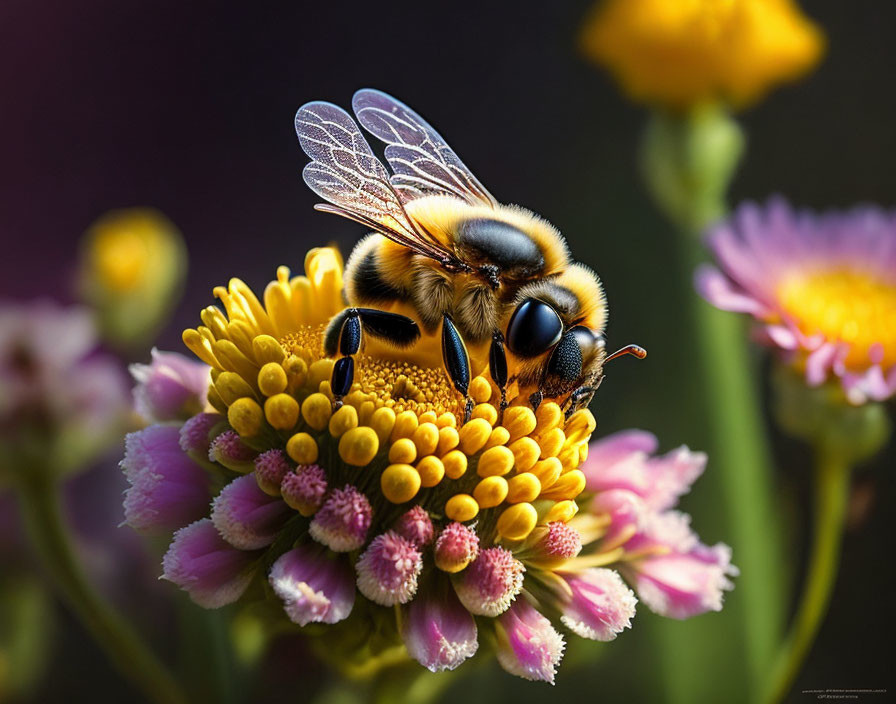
x=533, y=329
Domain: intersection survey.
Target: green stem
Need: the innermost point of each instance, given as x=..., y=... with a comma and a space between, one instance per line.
x=40, y=503
x=830, y=500
x=743, y=464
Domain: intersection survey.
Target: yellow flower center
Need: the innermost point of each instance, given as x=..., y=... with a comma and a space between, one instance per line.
x=120, y=259
x=399, y=432
x=845, y=306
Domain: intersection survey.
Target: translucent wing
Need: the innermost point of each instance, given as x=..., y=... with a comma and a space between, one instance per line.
x=423, y=163
x=345, y=171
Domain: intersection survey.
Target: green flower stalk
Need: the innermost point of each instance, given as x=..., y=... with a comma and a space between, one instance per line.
x=822, y=289
x=61, y=405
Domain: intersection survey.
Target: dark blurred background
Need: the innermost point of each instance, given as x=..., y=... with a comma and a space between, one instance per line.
x=188, y=107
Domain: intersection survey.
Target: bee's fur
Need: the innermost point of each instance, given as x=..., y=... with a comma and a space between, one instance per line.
x=450, y=258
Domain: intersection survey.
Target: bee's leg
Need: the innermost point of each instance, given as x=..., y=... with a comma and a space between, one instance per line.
x=578, y=398
x=497, y=364
x=457, y=362
x=344, y=335
x=535, y=399
x=348, y=342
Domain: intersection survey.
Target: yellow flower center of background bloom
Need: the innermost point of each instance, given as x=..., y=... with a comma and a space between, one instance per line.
x=398, y=433
x=120, y=258
x=845, y=306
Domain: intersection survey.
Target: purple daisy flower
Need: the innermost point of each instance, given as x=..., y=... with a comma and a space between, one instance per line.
x=822, y=288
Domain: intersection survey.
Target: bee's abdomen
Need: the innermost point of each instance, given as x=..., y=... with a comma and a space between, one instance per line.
x=368, y=285
x=488, y=241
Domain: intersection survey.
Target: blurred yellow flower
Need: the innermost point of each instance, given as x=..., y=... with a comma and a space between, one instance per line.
x=679, y=53
x=133, y=265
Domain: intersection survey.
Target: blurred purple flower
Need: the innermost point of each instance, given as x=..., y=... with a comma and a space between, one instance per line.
x=61, y=402
x=170, y=387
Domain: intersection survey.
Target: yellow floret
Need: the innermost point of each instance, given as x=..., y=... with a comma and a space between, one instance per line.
x=400, y=483
x=461, y=507
x=517, y=521
x=490, y=492
x=246, y=417
x=302, y=448
x=358, y=446
x=282, y=411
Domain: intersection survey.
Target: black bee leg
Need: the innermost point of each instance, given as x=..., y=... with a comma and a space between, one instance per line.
x=457, y=362
x=349, y=343
x=343, y=336
x=536, y=399
x=497, y=364
x=579, y=398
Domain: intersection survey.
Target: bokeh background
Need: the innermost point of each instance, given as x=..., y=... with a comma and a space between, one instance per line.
x=188, y=108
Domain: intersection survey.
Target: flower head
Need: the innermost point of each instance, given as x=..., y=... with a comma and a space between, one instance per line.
x=822, y=289
x=634, y=530
x=682, y=53
x=170, y=387
x=389, y=500
x=61, y=401
x=133, y=264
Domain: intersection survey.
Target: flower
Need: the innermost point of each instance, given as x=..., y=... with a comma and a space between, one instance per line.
x=61, y=401
x=822, y=288
x=170, y=387
x=389, y=506
x=635, y=530
x=680, y=53
x=133, y=264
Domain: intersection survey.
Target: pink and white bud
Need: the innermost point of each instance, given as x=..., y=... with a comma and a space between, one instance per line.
x=270, y=469
x=600, y=606
x=416, y=526
x=343, y=520
x=168, y=490
x=561, y=542
x=208, y=568
x=438, y=631
x=229, y=450
x=456, y=547
x=623, y=461
x=491, y=583
x=170, y=387
x=315, y=585
x=194, y=434
x=246, y=517
x=678, y=576
x=388, y=569
x=528, y=646
x=304, y=490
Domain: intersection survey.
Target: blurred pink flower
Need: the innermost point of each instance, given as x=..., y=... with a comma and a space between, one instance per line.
x=822, y=288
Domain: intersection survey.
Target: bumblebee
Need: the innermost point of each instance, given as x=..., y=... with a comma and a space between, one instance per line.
x=497, y=280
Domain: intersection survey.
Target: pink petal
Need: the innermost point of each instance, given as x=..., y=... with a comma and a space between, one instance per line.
x=601, y=605
x=528, y=646
x=209, y=569
x=247, y=517
x=316, y=586
x=439, y=632
x=168, y=490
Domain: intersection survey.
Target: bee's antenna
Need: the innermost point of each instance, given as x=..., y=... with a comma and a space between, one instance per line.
x=633, y=350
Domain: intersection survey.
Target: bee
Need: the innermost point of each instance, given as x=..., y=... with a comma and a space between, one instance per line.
x=497, y=279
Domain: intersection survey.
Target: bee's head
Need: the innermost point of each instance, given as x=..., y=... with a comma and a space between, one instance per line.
x=564, y=352
x=559, y=355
